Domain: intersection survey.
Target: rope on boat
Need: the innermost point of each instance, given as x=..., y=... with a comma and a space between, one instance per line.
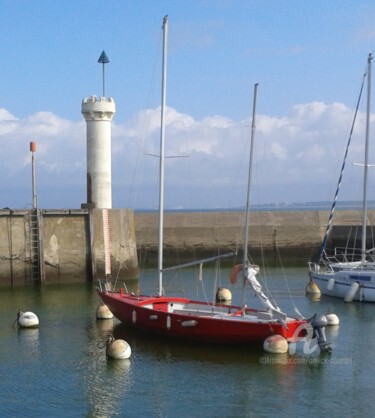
x=215, y=284
x=117, y=276
x=285, y=279
x=202, y=285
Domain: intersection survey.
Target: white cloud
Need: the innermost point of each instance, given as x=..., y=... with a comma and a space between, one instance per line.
x=297, y=157
x=277, y=151
x=6, y=116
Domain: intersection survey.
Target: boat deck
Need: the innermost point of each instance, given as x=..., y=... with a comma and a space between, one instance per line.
x=181, y=306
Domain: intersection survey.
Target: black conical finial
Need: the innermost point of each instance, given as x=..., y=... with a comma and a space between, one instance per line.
x=103, y=59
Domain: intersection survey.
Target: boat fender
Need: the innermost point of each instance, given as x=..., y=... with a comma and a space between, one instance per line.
x=234, y=272
x=103, y=312
x=352, y=292
x=275, y=344
x=27, y=320
x=331, y=284
x=118, y=349
x=312, y=288
x=134, y=317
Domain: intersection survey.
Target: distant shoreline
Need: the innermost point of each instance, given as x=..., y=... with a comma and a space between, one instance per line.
x=272, y=207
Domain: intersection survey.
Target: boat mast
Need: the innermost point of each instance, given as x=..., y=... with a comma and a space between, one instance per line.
x=161, y=161
x=364, y=213
x=247, y=216
x=246, y=240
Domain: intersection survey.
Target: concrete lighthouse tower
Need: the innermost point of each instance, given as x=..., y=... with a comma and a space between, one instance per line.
x=98, y=113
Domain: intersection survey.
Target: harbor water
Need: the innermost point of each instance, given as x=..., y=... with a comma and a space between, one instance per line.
x=61, y=370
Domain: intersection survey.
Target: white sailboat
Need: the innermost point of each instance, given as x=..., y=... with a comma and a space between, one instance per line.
x=349, y=274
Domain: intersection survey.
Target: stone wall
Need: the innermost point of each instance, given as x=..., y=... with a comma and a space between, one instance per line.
x=295, y=236
x=71, y=245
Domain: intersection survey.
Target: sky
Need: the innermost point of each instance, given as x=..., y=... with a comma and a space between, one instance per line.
x=308, y=57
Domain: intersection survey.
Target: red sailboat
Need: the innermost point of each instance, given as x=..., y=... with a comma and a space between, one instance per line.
x=202, y=321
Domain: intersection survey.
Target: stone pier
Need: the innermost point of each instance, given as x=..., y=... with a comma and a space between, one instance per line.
x=71, y=242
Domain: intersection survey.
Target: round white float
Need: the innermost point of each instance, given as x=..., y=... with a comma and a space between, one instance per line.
x=275, y=344
x=223, y=294
x=27, y=320
x=118, y=349
x=103, y=312
x=332, y=319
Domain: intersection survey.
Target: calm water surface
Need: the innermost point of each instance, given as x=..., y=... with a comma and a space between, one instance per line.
x=61, y=370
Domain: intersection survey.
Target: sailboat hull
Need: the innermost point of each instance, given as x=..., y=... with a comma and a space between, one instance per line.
x=347, y=284
x=182, y=318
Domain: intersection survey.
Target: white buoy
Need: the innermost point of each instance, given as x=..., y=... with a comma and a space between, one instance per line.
x=275, y=344
x=27, y=320
x=223, y=295
x=352, y=292
x=118, y=349
x=312, y=288
x=103, y=312
x=332, y=319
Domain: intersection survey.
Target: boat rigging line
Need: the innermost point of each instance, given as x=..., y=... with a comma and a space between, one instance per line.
x=329, y=224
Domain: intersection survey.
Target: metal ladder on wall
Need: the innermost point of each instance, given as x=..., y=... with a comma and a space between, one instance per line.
x=36, y=267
